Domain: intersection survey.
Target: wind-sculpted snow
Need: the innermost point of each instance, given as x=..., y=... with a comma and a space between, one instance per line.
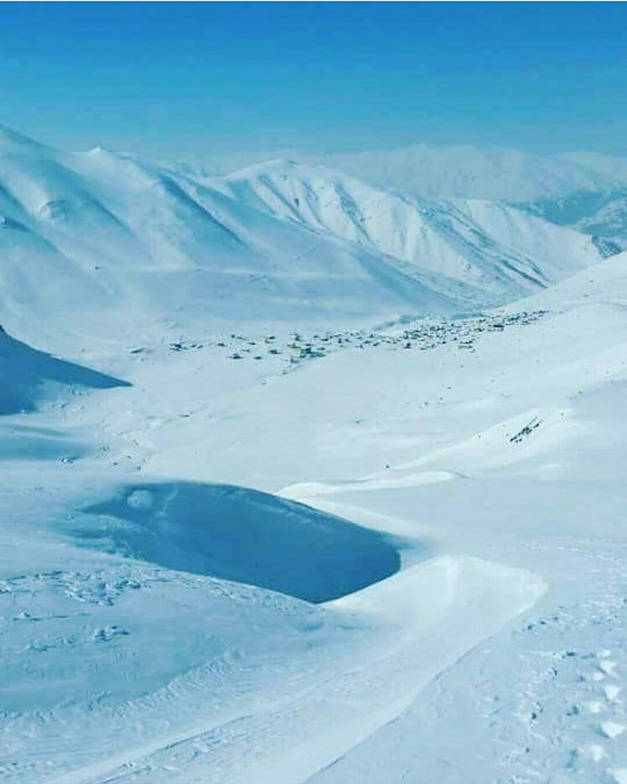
x=27, y=374
x=242, y=535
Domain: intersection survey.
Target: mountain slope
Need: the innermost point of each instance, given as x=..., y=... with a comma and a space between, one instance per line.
x=454, y=171
x=118, y=242
x=601, y=213
x=584, y=191
x=495, y=251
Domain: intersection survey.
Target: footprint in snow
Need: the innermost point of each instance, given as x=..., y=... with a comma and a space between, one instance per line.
x=612, y=729
x=107, y=633
x=593, y=752
x=611, y=692
x=608, y=667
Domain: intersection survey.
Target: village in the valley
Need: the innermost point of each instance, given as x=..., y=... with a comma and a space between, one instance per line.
x=422, y=334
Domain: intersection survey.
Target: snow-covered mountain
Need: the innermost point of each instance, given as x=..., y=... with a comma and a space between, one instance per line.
x=454, y=171
x=584, y=191
x=602, y=214
x=125, y=241
x=117, y=241
x=487, y=173
x=322, y=553
x=496, y=252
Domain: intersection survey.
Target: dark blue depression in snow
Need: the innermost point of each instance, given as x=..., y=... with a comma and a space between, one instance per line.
x=25, y=373
x=242, y=535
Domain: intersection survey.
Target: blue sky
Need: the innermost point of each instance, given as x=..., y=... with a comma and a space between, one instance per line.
x=205, y=78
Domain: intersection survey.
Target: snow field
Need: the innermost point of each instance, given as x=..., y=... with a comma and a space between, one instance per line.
x=397, y=558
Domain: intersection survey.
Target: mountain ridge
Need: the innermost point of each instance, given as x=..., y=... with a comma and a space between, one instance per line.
x=119, y=240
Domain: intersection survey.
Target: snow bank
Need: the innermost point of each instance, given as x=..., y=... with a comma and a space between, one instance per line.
x=243, y=535
x=27, y=373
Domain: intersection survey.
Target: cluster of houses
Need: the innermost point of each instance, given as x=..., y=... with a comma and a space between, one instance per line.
x=423, y=334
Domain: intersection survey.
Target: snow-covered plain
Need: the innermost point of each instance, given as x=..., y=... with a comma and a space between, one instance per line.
x=282, y=533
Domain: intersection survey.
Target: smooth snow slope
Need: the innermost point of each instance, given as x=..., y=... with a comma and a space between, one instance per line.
x=489, y=455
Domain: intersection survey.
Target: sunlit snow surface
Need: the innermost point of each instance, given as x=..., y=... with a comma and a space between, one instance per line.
x=295, y=550
x=125, y=247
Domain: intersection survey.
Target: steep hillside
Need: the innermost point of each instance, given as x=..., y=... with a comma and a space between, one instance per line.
x=602, y=214
x=495, y=252
x=97, y=242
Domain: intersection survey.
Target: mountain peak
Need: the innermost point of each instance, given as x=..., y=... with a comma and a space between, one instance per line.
x=272, y=166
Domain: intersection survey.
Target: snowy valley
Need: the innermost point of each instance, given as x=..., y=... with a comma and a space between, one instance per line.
x=307, y=478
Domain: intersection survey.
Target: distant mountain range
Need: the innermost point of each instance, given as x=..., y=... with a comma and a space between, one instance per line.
x=461, y=171
x=586, y=191
x=101, y=241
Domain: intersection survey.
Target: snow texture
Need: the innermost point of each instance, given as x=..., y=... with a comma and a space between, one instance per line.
x=286, y=499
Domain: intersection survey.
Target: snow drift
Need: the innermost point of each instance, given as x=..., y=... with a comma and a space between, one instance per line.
x=28, y=375
x=243, y=535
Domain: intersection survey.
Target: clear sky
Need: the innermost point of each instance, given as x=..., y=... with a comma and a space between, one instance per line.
x=206, y=78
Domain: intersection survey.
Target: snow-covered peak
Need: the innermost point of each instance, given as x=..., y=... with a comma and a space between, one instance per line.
x=492, y=247
x=100, y=241
x=98, y=151
x=496, y=173
x=456, y=171
x=273, y=166
x=129, y=241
